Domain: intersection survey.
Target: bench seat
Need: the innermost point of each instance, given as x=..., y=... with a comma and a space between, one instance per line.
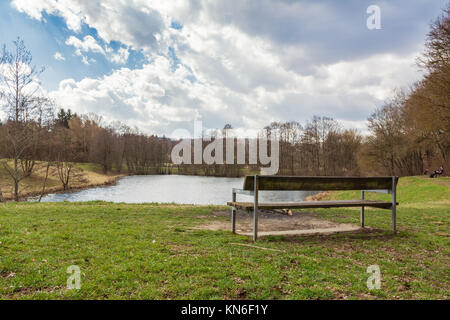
x=313, y=204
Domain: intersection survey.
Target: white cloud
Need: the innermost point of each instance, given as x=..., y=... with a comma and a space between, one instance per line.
x=88, y=44
x=68, y=9
x=121, y=57
x=245, y=63
x=134, y=23
x=157, y=99
x=58, y=56
x=85, y=60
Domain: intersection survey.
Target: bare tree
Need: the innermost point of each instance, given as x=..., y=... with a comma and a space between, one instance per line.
x=25, y=107
x=64, y=153
x=387, y=141
x=64, y=170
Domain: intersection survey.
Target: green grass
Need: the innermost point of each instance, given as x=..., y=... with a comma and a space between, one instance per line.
x=412, y=191
x=155, y=252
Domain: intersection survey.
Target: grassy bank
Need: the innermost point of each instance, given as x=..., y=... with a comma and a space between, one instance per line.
x=158, y=252
x=84, y=175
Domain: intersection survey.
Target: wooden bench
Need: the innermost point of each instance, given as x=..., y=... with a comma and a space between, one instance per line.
x=254, y=184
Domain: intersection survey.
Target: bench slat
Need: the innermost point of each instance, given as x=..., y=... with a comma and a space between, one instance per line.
x=313, y=204
x=293, y=183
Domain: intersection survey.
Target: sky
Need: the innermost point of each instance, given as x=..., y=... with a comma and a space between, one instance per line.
x=160, y=65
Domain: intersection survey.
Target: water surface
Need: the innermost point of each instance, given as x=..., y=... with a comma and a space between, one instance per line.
x=172, y=189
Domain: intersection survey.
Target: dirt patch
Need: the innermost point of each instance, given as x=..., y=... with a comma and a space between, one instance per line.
x=277, y=223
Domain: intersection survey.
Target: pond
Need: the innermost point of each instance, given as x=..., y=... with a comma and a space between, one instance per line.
x=172, y=189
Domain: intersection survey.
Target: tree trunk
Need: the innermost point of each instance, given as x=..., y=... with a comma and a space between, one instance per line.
x=16, y=180
x=45, y=182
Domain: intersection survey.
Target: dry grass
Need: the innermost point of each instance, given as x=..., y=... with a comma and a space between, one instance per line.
x=84, y=176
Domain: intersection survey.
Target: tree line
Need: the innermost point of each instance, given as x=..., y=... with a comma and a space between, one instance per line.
x=410, y=133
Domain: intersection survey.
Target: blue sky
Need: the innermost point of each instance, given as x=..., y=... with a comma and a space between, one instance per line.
x=48, y=36
x=160, y=65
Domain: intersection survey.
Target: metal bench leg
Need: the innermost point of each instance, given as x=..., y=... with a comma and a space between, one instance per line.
x=362, y=210
x=233, y=219
x=255, y=224
x=255, y=211
x=233, y=215
x=394, y=206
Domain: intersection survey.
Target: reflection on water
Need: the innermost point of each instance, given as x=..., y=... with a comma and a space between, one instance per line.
x=172, y=188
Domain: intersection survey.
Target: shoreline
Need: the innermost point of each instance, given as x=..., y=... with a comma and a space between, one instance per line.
x=27, y=196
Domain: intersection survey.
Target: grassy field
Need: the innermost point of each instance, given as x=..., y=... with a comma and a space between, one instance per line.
x=156, y=251
x=84, y=175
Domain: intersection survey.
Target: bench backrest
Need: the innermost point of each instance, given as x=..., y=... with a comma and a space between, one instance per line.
x=293, y=183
